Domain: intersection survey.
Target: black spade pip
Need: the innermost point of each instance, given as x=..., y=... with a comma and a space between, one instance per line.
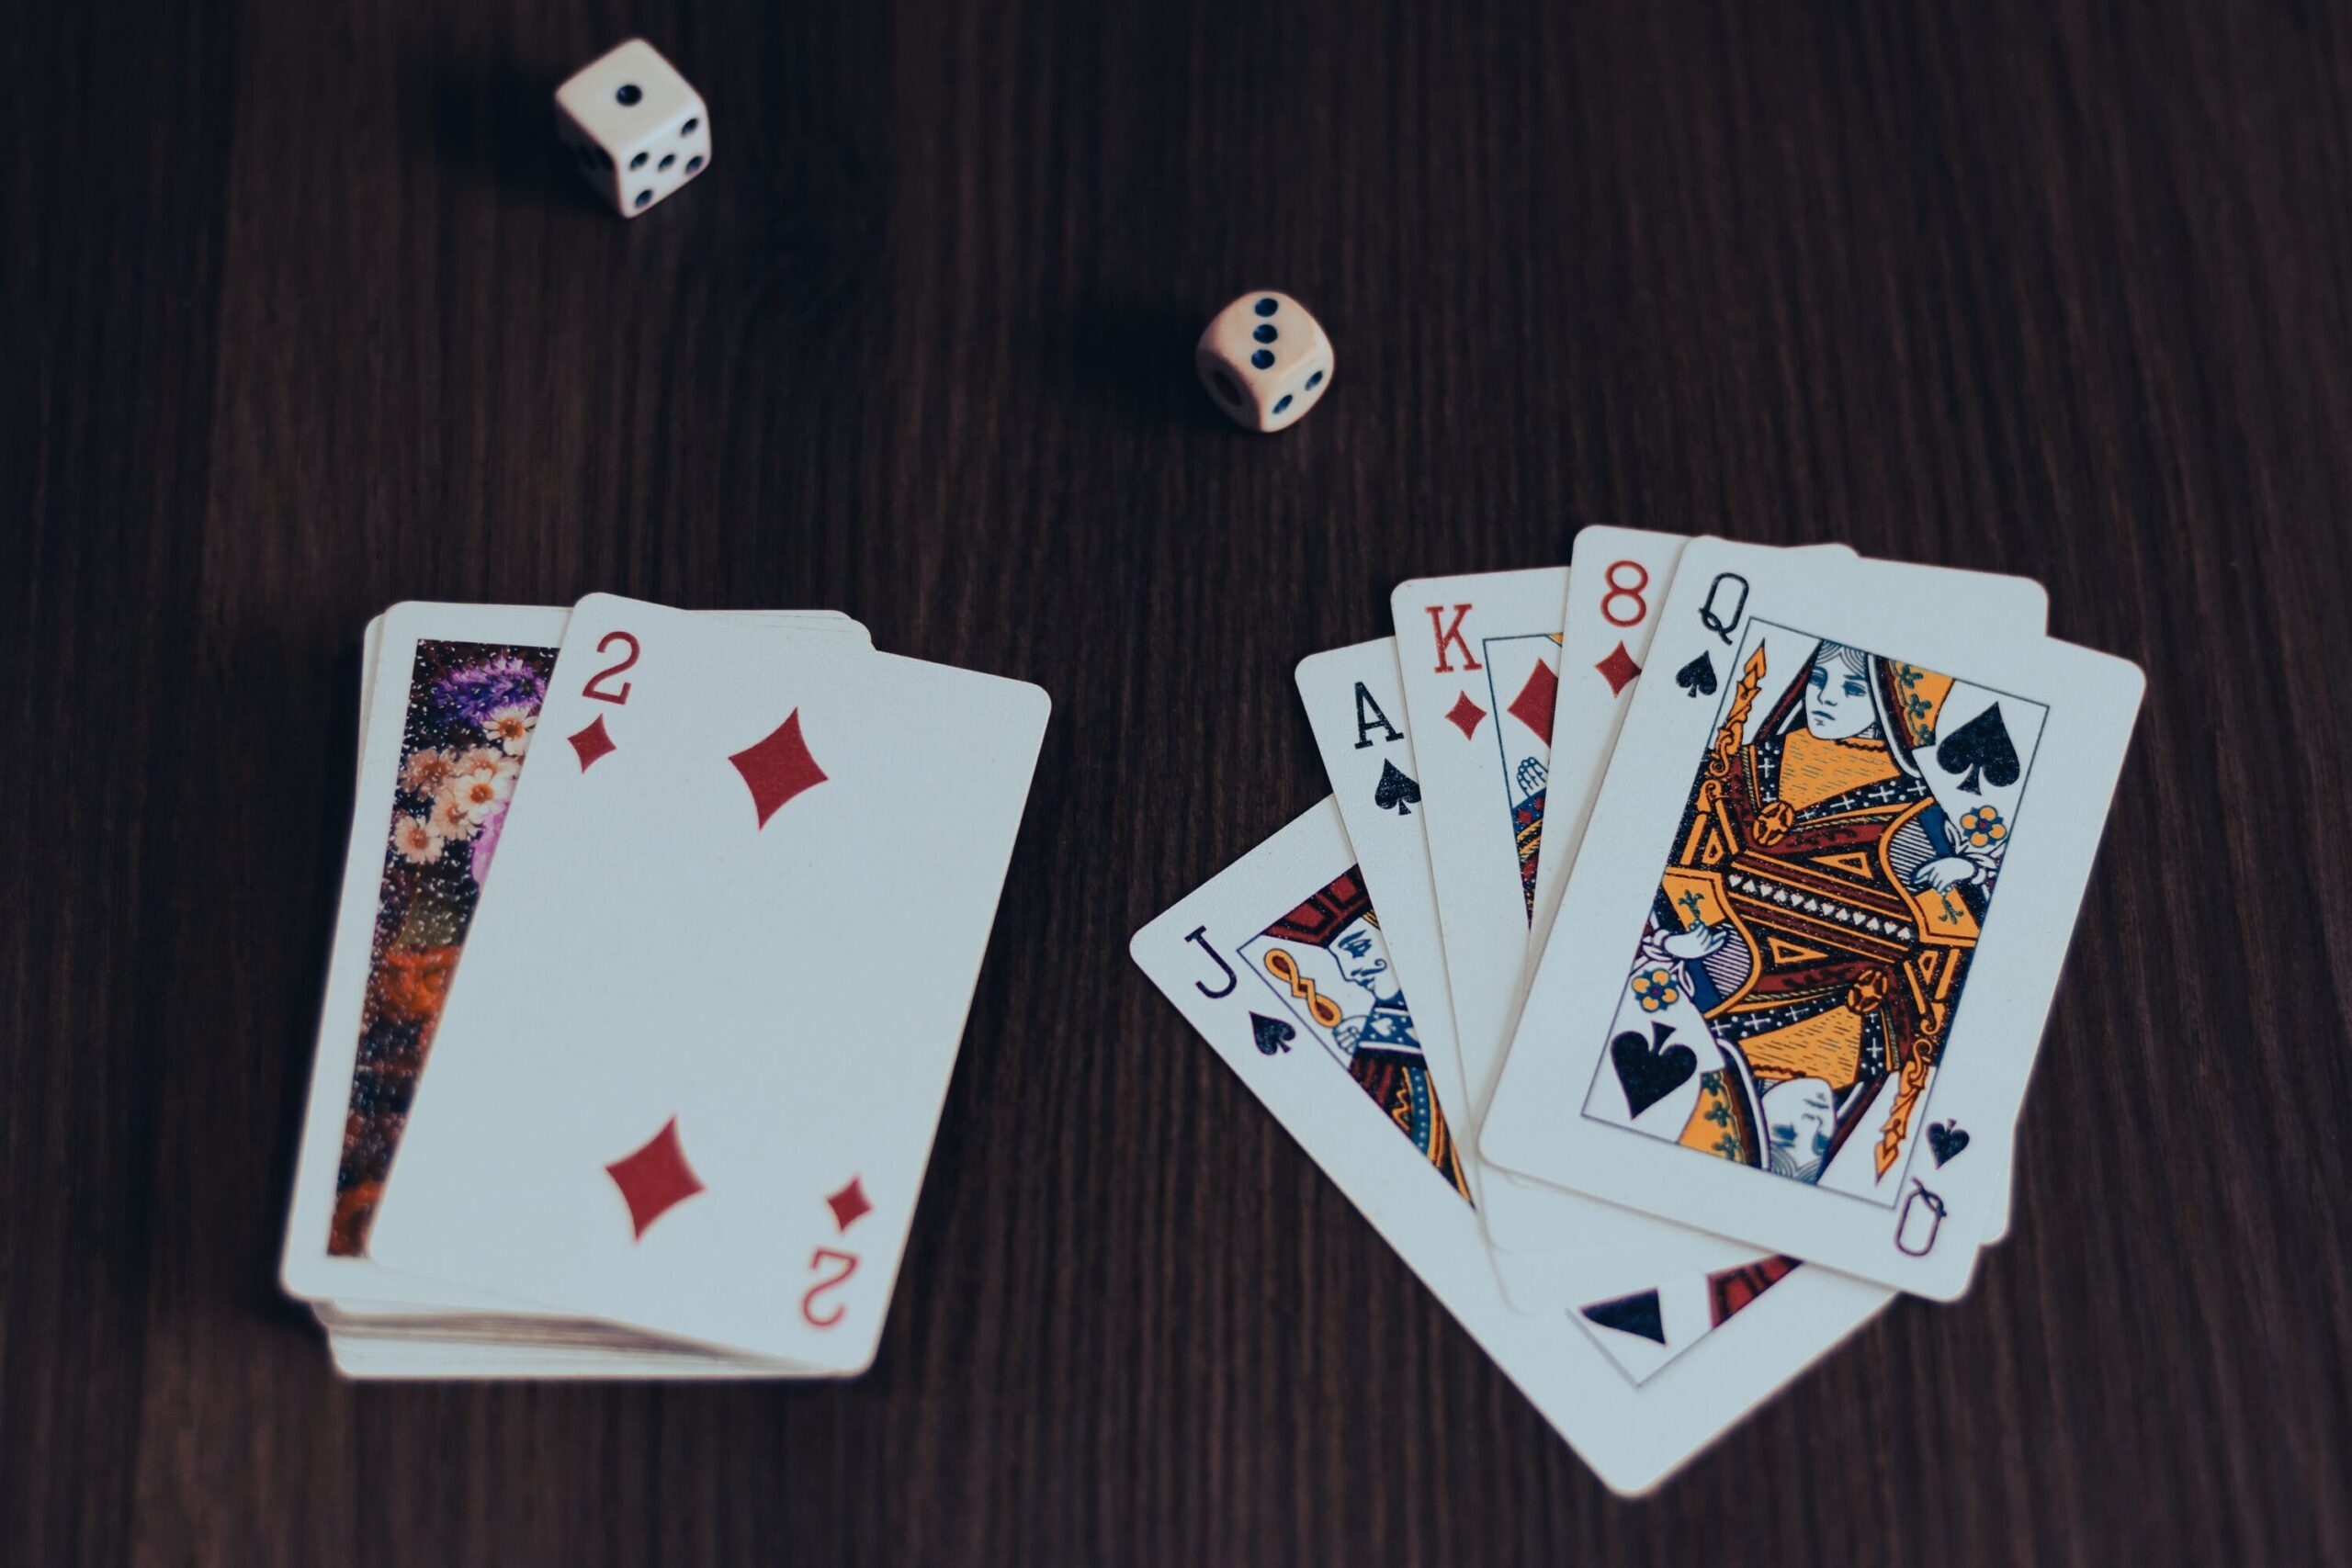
x=1981, y=748
x=1395, y=792
x=1273, y=1035
x=1650, y=1069
x=1698, y=677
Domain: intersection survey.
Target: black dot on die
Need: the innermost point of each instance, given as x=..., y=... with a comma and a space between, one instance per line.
x=643, y=197
x=1315, y=380
x=1282, y=403
x=693, y=163
x=1226, y=388
x=690, y=128
x=638, y=161
x=1262, y=358
x=630, y=94
x=667, y=159
x=1268, y=307
x=1265, y=334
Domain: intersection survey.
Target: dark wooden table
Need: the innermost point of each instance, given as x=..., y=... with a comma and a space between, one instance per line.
x=305, y=315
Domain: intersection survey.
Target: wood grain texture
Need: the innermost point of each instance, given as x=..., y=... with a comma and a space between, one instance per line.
x=307, y=315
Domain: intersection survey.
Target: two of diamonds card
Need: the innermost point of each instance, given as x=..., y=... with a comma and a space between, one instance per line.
x=1491, y=765
x=674, y=1106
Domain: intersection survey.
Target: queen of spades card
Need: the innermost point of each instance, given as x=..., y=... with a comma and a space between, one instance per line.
x=1801, y=967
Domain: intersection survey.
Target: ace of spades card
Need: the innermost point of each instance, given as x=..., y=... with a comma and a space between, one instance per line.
x=1831, y=916
x=689, y=1070
x=1356, y=708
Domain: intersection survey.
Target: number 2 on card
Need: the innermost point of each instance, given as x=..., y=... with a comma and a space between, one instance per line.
x=848, y=1261
x=596, y=687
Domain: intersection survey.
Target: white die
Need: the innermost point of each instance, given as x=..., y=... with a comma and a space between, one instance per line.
x=1264, y=360
x=637, y=130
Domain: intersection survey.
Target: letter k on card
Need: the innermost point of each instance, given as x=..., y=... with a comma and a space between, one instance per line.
x=1480, y=657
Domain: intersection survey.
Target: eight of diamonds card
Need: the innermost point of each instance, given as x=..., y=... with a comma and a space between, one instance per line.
x=1810, y=971
x=1617, y=580
x=688, y=1074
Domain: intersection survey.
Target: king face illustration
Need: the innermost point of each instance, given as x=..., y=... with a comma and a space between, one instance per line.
x=1327, y=965
x=1813, y=929
x=1524, y=686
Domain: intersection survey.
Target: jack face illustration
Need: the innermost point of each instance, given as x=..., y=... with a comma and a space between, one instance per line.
x=1364, y=961
x=1811, y=932
x=1326, y=964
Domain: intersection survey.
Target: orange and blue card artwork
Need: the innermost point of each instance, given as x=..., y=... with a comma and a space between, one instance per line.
x=1800, y=971
x=1326, y=968
x=471, y=711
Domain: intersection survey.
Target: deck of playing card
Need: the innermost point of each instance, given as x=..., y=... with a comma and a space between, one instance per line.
x=1717, y=1039
x=670, y=1115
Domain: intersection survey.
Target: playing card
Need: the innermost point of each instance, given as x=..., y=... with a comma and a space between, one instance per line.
x=1617, y=579
x=471, y=679
x=1355, y=704
x=371, y=648
x=1484, y=817
x=1751, y=1016
x=687, y=1076
x=1279, y=962
x=489, y=1343
x=1535, y=1218
x=1349, y=694
x=364, y=1355
x=1480, y=660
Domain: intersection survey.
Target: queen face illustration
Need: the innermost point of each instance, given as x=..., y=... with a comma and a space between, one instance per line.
x=1838, y=696
x=1800, y=1119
